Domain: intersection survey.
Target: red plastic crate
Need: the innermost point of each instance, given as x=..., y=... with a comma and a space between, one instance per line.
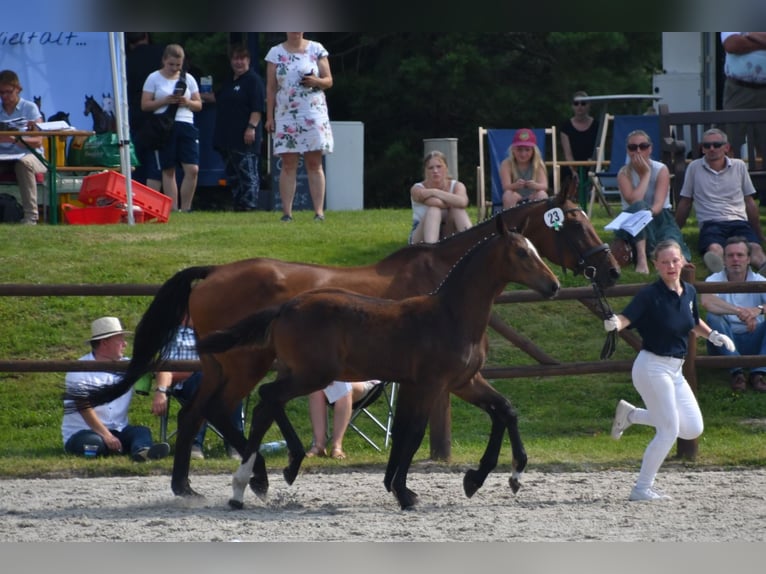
x=91, y=215
x=111, y=184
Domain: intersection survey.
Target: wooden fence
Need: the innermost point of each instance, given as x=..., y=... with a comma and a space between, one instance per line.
x=440, y=427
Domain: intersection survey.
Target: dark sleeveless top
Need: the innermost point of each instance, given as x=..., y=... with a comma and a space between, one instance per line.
x=582, y=143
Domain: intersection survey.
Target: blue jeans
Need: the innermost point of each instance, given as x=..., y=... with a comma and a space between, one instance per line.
x=242, y=175
x=185, y=392
x=133, y=439
x=748, y=343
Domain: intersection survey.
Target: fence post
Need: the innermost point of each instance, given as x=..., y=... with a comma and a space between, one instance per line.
x=687, y=449
x=441, y=428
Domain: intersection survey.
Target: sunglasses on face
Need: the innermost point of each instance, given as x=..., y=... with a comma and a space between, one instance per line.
x=641, y=146
x=579, y=103
x=716, y=145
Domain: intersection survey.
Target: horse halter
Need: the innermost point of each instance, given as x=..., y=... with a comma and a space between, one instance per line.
x=590, y=272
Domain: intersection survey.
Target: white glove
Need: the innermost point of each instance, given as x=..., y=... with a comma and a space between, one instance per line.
x=720, y=340
x=612, y=323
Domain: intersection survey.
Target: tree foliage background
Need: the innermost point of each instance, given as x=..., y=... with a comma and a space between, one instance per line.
x=405, y=87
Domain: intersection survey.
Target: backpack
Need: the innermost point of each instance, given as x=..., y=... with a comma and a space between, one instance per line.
x=10, y=209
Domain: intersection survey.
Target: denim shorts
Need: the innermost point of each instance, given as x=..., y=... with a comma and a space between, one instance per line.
x=720, y=231
x=183, y=146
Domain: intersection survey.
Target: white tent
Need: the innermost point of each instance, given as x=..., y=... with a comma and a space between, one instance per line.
x=119, y=81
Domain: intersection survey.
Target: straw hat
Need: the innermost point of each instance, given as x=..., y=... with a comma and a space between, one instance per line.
x=106, y=327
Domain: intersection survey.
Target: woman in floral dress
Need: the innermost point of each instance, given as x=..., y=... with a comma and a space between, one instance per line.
x=297, y=73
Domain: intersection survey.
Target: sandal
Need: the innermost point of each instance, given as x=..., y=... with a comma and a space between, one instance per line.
x=316, y=451
x=337, y=454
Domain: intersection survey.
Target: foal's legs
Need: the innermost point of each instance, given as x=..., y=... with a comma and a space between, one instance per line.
x=479, y=392
x=259, y=483
x=270, y=408
x=247, y=367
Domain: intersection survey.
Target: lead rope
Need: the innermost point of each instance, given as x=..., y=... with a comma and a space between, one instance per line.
x=610, y=344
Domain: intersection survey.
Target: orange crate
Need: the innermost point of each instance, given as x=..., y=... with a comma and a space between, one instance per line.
x=111, y=184
x=91, y=215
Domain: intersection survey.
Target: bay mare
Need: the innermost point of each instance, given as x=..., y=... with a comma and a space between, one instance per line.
x=217, y=296
x=428, y=344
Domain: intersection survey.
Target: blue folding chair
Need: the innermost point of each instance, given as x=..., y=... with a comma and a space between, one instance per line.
x=604, y=182
x=499, y=141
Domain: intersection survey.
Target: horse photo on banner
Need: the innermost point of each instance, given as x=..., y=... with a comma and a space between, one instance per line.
x=59, y=71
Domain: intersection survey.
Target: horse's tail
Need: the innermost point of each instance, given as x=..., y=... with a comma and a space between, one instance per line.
x=252, y=330
x=154, y=332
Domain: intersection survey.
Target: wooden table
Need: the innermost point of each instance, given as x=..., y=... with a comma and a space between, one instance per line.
x=52, y=136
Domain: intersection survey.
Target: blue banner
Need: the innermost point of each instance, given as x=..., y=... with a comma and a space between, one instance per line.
x=63, y=72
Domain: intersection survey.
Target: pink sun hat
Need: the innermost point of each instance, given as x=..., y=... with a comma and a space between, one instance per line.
x=524, y=137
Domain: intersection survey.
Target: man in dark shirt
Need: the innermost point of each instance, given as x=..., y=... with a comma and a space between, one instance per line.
x=240, y=104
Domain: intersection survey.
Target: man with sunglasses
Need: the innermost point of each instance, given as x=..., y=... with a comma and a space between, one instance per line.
x=723, y=196
x=578, y=137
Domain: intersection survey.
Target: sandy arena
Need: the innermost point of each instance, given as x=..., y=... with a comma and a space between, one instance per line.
x=352, y=505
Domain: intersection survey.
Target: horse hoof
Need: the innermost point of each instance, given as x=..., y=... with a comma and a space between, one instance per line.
x=236, y=504
x=259, y=487
x=515, y=484
x=290, y=472
x=407, y=500
x=185, y=490
x=470, y=484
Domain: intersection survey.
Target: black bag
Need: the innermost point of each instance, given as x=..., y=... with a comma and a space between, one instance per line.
x=10, y=209
x=156, y=130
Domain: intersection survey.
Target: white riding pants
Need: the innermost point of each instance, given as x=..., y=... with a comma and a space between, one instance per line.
x=671, y=408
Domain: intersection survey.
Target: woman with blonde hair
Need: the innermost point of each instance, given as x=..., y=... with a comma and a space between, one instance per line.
x=171, y=86
x=644, y=183
x=439, y=200
x=523, y=174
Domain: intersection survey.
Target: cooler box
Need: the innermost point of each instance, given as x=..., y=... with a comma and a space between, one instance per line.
x=111, y=185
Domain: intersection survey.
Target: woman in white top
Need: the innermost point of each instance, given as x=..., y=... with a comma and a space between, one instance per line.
x=645, y=184
x=169, y=85
x=437, y=200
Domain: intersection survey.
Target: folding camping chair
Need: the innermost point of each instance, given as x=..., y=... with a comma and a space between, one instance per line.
x=604, y=182
x=366, y=417
x=499, y=141
x=172, y=398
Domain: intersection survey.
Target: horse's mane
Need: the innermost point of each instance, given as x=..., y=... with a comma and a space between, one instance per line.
x=463, y=261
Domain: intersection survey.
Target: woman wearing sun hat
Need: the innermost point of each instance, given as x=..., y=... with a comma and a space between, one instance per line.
x=105, y=427
x=523, y=174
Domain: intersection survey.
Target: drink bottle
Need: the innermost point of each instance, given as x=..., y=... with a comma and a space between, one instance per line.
x=143, y=385
x=272, y=447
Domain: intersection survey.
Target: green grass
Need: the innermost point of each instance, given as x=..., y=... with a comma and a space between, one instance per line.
x=564, y=421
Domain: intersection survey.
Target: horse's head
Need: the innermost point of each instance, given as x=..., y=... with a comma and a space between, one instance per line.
x=523, y=263
x=91, y=106
x=563, y=233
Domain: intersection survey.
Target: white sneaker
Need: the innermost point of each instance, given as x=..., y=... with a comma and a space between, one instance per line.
x=621, y=422
x=649, y=494
x=196, y=452
x=713, y=261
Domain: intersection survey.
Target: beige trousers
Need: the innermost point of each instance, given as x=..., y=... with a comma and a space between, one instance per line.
x=25, y=170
